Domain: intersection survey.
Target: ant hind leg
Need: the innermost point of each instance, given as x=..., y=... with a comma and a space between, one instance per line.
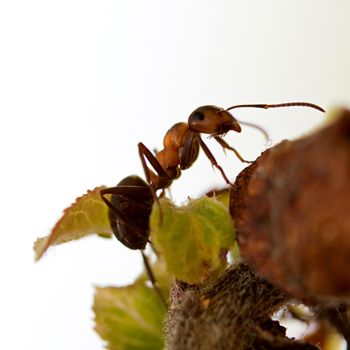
x=144, y=154
x=152, y=278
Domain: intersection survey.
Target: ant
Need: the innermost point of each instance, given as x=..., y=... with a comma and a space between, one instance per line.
x=183, y=141
x=132, y=199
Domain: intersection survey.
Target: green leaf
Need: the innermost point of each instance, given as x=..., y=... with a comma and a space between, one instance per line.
x=130, y=318
x=224, y=198
x=193, y=239
x=88, y=215
x=222, y=195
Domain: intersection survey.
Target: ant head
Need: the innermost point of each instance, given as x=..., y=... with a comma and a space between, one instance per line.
x=212, y=120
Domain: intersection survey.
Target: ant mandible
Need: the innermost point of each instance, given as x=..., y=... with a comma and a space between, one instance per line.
x=182, y=142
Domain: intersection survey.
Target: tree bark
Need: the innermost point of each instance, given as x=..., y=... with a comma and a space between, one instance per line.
x=232, y=313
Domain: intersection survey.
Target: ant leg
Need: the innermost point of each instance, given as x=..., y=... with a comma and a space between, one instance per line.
x=145, y=153
x=213, y=160
x=189, y=150
x=154, y=249
x=126, y=190
x=152, y=278
x=225, y=146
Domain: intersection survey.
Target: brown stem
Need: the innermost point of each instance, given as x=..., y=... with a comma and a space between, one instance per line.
x=232, y=313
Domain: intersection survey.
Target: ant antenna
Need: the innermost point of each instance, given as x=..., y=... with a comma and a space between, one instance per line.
x=257, y=127
x=288, y=104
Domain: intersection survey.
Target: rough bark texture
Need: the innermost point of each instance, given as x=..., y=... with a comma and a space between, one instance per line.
x=292, y=214
x=233, y=313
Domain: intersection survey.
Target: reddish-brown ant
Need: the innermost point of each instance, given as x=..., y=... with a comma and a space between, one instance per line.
x=132, y=199
x=182, y=142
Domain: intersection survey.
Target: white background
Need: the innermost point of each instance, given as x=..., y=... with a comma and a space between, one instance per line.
x=82, y=82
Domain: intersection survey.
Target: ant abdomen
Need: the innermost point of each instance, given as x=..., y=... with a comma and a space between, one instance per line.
x=130, y=207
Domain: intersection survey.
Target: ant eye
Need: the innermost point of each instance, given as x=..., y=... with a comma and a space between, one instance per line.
x=197, y=116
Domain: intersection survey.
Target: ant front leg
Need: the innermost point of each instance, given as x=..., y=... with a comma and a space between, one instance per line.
x=213, y=161
x=225, y=146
